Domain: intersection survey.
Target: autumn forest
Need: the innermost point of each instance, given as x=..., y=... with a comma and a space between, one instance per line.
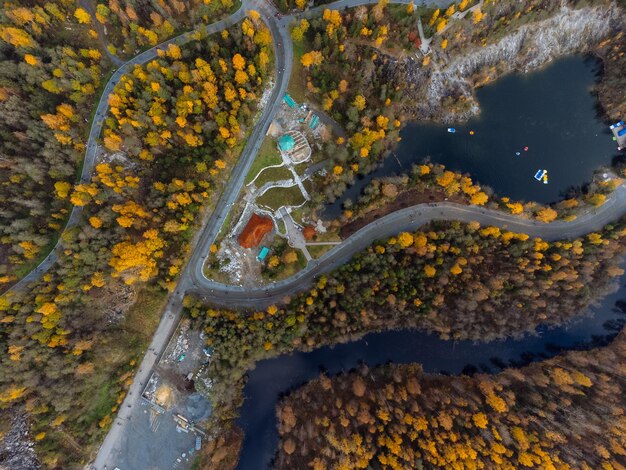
x=90, y=259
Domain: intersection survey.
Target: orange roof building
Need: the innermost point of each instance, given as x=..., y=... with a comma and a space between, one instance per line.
x=255, y=230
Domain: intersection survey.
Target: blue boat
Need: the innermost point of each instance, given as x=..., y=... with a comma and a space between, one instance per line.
x=540, y=174
x=451, y=130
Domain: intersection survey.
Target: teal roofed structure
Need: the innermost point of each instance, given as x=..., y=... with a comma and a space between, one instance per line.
x=263, y=254
x=286, y=143
x=289, y=100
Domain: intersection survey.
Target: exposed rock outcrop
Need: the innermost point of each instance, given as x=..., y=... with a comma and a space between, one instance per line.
x=532, y=45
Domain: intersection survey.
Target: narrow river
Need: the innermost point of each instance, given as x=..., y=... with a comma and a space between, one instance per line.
x=549, y=117
x=274, y=377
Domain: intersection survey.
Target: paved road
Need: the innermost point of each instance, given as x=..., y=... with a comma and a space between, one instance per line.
x=404, y=220
x=130, y=406
x=283, y=55
x=111, y=445
x=343, y=4
x=96, y=129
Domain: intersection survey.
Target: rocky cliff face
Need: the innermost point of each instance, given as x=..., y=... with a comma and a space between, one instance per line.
x=527, y=48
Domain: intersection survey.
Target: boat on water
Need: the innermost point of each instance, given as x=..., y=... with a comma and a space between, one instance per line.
x=451, y=130
x=542, y=175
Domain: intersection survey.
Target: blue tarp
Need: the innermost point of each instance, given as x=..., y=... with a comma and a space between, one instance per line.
x=314, y=121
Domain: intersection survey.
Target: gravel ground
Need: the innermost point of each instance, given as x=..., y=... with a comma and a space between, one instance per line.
x=17, y=449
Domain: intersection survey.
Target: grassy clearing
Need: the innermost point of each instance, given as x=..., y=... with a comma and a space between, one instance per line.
x=316, y=251
x=144, y=315
x=297, y=82
x=277, y=197
x=273, y=174
x=268, y=155
x=113, y=358
x=328, y=236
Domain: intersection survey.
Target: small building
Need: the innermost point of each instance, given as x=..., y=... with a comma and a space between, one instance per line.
x=254, y=231
x=263, y=253
x=294, y=145
x=619, y=133
x=289, y=100
x=314, y=122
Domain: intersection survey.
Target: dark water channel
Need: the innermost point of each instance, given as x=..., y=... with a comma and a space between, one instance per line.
x=551, y=111
x=274, y=377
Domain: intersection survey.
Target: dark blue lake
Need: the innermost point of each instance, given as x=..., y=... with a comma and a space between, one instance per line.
x=552, y=112
x=274, y=377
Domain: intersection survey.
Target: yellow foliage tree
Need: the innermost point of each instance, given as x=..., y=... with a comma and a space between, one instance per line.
x=311, y=58
x=82, y=16
x=239, y=63
x=31, y=59
x=359, y=102
x=290, y=257
x=547, y=215
x=405, y=240
x=597, y=199
x=12, y=393
x=430, y=270
x=16, y=37
x=516, y=208
x=477, y=16
x=62, y=189
x=479, y=198
x=480, y=420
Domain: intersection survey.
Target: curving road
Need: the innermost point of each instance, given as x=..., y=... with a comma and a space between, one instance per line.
x=406, y=220
x=96, y=129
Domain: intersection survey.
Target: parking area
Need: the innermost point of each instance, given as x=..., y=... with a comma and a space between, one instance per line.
x=165, y=429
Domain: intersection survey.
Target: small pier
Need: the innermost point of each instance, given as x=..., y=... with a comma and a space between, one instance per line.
x=619, y=131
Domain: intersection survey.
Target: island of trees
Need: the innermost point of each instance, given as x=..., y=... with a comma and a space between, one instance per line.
x=566, y=412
